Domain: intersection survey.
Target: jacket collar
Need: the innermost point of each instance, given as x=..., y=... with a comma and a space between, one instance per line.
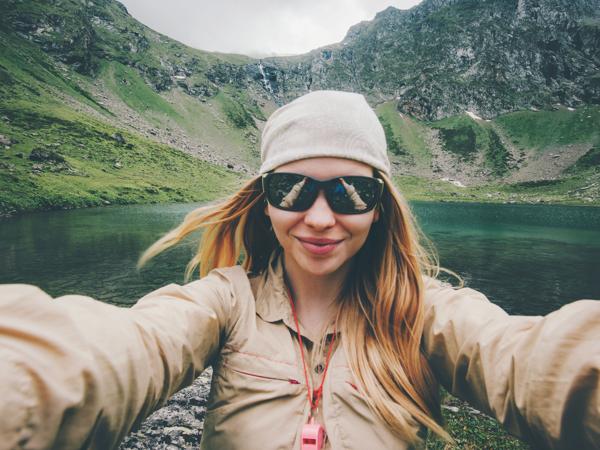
x=272, y=301
x=272, y=298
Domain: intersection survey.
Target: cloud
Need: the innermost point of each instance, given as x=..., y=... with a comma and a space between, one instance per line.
x=257, y=26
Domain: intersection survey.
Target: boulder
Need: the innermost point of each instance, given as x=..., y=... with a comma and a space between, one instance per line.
x=44, y=155
x=118, y=137
x=4, y=140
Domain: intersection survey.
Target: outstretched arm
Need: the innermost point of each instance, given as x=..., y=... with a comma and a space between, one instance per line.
x=78, y=373
x=539, y=376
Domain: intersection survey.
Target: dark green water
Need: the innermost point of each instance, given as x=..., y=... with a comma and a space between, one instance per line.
x=530, y=259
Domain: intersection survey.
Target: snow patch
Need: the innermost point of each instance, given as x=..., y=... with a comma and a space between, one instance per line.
x=521, y=12
x=454, y=182
x=473, y=116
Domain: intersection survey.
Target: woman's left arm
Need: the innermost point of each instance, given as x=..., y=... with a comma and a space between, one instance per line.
x=539, y=376
x=78, y=373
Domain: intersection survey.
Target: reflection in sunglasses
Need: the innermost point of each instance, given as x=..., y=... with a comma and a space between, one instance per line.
x=359, y=204
x=289, y=200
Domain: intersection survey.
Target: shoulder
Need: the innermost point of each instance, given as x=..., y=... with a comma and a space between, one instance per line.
x=233, y=285
x=235, y=279
x=449, y=309
x=219, y=290
x=441, y=292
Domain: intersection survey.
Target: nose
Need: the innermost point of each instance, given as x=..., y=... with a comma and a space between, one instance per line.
x=319, y=215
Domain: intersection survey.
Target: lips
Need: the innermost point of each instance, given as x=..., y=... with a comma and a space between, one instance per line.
x=319, y=246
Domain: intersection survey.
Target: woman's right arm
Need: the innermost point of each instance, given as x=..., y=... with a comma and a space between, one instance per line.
x=78, y=373
x=539, y=376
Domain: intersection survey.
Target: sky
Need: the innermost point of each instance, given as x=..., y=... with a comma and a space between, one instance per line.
x=257, y=27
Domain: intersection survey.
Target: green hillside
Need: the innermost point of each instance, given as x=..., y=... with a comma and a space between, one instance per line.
x=55, y=157
x=405, y=133
x=502, y=147
x=543, y=130
x=61, y=160
x=96, y=108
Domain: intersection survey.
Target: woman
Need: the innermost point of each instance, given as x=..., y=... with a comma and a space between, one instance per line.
x=331, y=334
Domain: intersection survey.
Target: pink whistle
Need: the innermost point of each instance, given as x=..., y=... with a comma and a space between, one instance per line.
x=313, y=436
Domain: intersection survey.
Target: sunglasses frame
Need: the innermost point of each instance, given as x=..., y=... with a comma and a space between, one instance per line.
x=321, y=185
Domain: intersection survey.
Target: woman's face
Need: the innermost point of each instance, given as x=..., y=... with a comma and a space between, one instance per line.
x=318, y=241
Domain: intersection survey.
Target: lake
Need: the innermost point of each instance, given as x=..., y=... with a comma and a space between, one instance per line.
x=529, y=259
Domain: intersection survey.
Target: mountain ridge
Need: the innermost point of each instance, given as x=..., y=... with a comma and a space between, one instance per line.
x=493, y=57
x=91, y=64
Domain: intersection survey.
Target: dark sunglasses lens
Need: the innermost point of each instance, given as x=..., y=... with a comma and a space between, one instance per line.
x=353, y=195
x=289, y=191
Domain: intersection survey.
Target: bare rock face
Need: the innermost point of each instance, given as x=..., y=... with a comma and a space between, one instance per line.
x=444, y=57
x=437, y=59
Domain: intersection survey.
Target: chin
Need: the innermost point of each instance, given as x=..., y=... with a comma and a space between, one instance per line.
x=319, y=267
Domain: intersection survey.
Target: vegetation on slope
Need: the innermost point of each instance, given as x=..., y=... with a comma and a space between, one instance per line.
x=135, y=93
x=471, y=430
x=543, y=130
x=405, y=133
x=54, y=157
x=466, y=137
x=589, y=161
x=59, y=160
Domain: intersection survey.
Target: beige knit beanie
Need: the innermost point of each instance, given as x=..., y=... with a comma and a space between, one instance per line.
x=324, y=123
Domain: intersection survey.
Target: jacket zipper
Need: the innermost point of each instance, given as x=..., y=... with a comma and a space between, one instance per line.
x=264, y=377
x=353, y=385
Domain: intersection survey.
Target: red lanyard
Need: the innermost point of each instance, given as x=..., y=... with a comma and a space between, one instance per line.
x=313, y=399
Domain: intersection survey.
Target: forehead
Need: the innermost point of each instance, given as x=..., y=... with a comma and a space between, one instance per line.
x=325, y=168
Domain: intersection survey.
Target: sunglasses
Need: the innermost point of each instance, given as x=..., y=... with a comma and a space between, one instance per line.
x=345, y=195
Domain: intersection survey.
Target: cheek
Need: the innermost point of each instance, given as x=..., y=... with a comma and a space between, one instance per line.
x=281, y=221
x=360, y=225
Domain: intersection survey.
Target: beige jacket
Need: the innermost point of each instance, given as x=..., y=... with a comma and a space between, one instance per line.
x=78, y=373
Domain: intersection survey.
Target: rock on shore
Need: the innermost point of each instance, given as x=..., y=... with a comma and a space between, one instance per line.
x=177, y=425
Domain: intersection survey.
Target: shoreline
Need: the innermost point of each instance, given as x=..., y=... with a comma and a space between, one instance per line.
x=596, y=204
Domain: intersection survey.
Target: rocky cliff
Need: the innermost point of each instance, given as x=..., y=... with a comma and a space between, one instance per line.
x=444, y=57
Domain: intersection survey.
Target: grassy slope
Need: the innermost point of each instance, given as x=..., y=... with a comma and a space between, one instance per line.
x=225, y=121
x=527, y=130
x=126, y=83
x=97, y=169
x=544, y=130
x=555, y=192
x=466, y=138
x=408, y=132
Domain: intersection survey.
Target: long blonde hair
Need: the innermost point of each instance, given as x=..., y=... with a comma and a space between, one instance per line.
x=381, y=314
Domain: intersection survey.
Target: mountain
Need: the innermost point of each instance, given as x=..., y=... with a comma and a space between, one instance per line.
x=444, y=57
x=480, y=100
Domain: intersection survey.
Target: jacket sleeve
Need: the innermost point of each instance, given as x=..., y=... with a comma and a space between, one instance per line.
x=78, y=373
x=539, y=376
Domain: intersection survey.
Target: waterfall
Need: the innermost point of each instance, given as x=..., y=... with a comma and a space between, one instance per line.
x=264, y=78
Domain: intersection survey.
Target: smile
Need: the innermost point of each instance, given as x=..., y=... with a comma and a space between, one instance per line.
x=319, y=246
